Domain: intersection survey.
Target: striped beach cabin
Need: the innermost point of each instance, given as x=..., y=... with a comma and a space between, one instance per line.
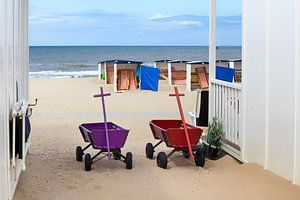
x=108, y=70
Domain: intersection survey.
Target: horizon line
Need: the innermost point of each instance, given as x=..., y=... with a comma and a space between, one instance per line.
x=132, y=46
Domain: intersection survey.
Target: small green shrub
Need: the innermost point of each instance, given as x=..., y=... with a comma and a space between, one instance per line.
x=215, y=132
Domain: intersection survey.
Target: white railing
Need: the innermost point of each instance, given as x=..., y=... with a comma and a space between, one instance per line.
x=227, y=107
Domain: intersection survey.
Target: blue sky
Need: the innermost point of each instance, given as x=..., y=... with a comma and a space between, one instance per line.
x=131, y=22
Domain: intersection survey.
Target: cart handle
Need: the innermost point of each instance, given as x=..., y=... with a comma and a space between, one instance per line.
x=178, y=95
x=102, y=95
x=175, y=95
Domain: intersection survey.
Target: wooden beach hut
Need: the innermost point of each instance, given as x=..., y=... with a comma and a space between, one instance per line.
x=162, y=65
x=197, y=75
x=193, y=79
x=177, y=72
x=235, y=64
x=120, y=73
x=223, y=63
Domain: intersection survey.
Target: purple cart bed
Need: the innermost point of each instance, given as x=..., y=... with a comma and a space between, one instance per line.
x=106, y=137
x=94, y=133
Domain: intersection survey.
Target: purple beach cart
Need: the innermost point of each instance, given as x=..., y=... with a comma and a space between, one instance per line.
x=106, y=137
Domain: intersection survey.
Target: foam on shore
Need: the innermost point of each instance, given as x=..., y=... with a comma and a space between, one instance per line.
x=63, y=74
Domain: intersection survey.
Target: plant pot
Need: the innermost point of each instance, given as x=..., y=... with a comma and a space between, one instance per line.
x=211, y=151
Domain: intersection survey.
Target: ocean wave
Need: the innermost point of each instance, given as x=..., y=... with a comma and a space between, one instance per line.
x=63, y=74
x=35, y=67
x=62, y=64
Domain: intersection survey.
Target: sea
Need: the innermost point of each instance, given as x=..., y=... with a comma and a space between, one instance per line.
x=81, y=61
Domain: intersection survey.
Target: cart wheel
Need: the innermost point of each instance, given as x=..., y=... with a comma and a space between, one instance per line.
x=79, y=153
x=162, y=160
x=87, y=162
x=185, y=154
x=117, y=155
x=200, y=158
x=149, y=150
x=128, y=160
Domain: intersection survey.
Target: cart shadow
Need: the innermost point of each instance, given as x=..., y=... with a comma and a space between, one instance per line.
x=179, y=161
x=103, y=166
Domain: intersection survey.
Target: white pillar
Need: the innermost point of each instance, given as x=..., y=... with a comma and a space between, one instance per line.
x=188, y=77
x=139, y=86
x=26, y=42
x=155, y=66
x=212, y=54
x=170, y=73
x=231, y=65
x=15, y=49
x=99, y=70
x=115, y=77
x=24, y=47
x=105, y=73
x=4, y=155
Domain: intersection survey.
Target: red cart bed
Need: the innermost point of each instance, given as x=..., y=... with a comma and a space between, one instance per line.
x=172, y=133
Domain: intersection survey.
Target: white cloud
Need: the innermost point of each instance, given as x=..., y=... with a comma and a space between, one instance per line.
x=45, y=19
x=190, y=23
x=158, y=16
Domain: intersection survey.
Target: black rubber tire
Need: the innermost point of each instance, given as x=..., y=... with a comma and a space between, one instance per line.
x=149, y=150
x=200, y=158
x=117, y=156
x=87, y=162
x=128, y=160
x=162, y=160
x=186, y=154
x=79, y=153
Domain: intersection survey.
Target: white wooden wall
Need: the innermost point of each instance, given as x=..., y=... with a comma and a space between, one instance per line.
x=271, y=84
x=3, y=110
x=254, y=80
x=13, y=67
x=296, y=177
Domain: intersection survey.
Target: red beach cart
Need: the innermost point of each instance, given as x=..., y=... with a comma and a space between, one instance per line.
x=178, y=135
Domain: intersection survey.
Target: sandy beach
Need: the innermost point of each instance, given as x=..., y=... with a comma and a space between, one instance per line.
x=53, y=173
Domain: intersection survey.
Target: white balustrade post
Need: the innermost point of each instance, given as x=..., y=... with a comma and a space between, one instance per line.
x=212, y=55
x=99, y=70
x=170, y=73
x=115, y=77
x=189, y=77
x=105, y=73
